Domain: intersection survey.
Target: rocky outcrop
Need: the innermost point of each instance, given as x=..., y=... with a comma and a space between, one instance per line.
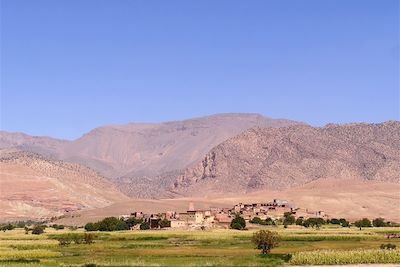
x=280, y=158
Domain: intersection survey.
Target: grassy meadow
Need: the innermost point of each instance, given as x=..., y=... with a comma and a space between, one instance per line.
x=328, y=245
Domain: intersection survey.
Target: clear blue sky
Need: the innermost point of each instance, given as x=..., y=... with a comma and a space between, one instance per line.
x=68, y=66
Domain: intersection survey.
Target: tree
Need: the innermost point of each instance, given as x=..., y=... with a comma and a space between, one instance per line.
x=91, y=227
x=238, y=223
x=112, y=224
x=299, y=221
x=365, y=222
x=38, y=229
x=344, y=222
x=144, y=226
x=7, y=227
x=317, y=222
x=265, y=240
x=164, y=223
x=132, y=221
x=269, y=221
x=289, y=219
x=379, y=222
x=334, y=221
x=256, y=220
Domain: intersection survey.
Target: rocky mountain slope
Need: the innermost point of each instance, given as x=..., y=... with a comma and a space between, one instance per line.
x=280, y=158
x=39, y=144
x=143, y=158
x=32, y=186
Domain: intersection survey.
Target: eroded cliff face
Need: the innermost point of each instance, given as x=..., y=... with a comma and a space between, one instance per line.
x=276, y=159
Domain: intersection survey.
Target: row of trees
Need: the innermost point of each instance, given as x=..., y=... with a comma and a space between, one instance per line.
x=378, y=222
x=115, y=224
x=289, y=219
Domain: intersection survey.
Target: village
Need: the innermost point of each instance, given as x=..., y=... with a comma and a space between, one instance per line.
x=222, y=217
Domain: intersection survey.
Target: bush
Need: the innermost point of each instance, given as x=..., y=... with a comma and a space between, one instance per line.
x=238, y=223
x=91, y=227
x=132, y=221
x=365, y=222
x=64, y=241
x=108, y=224
x=317, y=222
x=289, y=219
x=379, y=222
x=256, y=220
x=6, y=227
x=144, y=226
x=269, y=221
x=344, y=222
x=299, y=221
x=58, y=227
x=334, y=221
x=388, y=246
x=88, y=238
x=38, y=229
x=265, y=240
x=164, y=223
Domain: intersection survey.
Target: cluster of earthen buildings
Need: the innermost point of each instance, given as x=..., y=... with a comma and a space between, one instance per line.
x=221, y=217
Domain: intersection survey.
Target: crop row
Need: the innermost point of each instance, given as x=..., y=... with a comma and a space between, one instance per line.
x=346, y=257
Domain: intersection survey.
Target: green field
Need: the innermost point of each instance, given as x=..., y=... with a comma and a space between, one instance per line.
x=197, y=248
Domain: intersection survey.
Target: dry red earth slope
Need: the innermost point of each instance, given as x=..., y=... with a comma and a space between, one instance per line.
x=32, y=186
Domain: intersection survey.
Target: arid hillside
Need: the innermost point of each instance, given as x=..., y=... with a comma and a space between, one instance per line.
x=32, y=186
x=39, y=144
x=280, y=158
x=143, y=159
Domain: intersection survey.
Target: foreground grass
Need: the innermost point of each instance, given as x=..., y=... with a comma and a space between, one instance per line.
x=346, y=257
x=197, y=248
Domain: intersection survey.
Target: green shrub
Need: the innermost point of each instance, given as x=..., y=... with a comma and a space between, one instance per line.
x=38, y=229
x=313, y=222
x=62, y=241
x=144, y=226
x=379, y=222
x=265, y=240
x=365, y=222
x=164, y=223
x=238, y=223
x=344, y=222
x=108, y=224
x=58, y=227
x=299, y=221
x=88, y=238
x=388, y=246
x=256, y=220
x=92, y=227
x=7, y=227
x=288, y=218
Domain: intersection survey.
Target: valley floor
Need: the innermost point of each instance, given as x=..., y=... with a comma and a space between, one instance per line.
x=198, y=248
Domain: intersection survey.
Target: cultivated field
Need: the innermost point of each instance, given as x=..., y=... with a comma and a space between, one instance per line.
x=329, y=245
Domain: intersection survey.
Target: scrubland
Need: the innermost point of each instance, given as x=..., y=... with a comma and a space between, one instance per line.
x=328, y=245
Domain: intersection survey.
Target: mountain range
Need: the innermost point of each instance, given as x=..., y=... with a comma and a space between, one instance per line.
x=217, y=156
x=280, y=158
